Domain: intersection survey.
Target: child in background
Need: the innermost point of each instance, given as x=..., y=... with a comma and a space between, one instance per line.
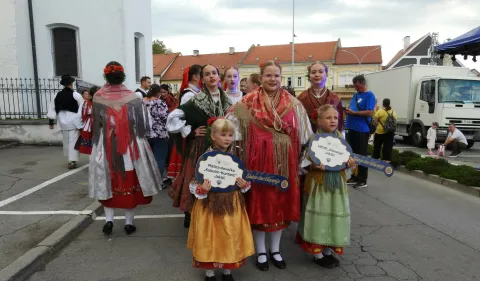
x=324, y=225
x=220, y=235
x=432, y=137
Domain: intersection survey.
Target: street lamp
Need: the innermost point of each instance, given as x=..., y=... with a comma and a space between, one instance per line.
x=360, y=60
x=293, y=42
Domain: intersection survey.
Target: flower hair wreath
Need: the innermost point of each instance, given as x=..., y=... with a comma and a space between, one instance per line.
x=113, y=68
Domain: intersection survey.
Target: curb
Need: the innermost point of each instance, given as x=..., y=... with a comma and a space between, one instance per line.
x=8, y=145
x=453, y=184
x=29, y=262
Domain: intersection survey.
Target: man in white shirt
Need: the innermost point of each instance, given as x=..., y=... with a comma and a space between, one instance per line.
x=456, y=139
x=145, y=83
x=66, y=108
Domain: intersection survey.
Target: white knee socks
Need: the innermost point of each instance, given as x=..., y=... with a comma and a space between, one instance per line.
x=327, y=251
x=129, y=214
x=259, y=237
x=275, y=238
x=109, y=213
x=209, y=273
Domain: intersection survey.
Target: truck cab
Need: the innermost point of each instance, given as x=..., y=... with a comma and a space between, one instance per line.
x=446, y=100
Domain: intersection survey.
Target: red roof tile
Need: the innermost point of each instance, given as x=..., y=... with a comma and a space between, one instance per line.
x=162, y=61
x=364, y=54
x=304, y=52
x=221, y=60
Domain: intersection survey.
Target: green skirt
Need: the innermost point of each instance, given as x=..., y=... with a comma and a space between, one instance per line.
x=325, y=216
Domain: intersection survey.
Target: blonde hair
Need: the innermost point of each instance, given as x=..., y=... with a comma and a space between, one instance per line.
x=325, y=67
x=222, y=126
x=324, y=108
x=269, y=63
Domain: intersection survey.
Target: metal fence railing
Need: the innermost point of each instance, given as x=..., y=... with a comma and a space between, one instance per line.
x=18, y=96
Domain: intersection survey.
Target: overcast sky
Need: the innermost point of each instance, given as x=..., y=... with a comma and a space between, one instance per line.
x=211, y=26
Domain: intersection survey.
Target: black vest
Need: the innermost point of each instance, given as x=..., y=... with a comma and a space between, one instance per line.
x=65, y=101
x=141, y=92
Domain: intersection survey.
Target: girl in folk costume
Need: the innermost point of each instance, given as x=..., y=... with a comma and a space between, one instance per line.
x=191, y=85
x=84, y=143
x=318, y=95
x=325, y=223
x=220, y=236
x=123, y=172
x=167, y=96
x=273, y=127
x=232, y=78
x=190, y=120
x=65, y=108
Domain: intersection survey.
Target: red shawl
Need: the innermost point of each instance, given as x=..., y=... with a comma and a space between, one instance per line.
x=311, y=104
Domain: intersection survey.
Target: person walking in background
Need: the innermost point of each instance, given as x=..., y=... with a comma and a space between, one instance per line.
x=167, y=96
x=359, y=116
x=123, y=172
x=65, y=108
x=432, y=137
x=157, y=135
x=383, y=134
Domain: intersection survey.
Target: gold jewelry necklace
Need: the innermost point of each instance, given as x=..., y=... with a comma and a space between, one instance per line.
x=277, y=120
x=324, y=90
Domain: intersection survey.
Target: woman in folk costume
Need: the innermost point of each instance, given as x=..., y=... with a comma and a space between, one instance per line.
x=325, y=223
x=220, y=236
x=273, y=128
x=318, y=95
x=190, y=119
x=191, y=86
x=65, y=108
x=167, y=96
x=232, y=78
x=123, y=172
x=84, y=143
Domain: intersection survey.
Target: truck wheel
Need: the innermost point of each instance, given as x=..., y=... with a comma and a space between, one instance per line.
x=470, y=144
x=407, y=139
x=418, y=139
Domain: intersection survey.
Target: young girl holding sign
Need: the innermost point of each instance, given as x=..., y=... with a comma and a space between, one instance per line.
x=220, y=236
x=325, y=218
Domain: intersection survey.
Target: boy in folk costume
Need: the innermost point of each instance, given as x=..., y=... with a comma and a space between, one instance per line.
x=324, y=226
x=220, y=236
x=64, y=107
x=123, y=172
x=84, y=143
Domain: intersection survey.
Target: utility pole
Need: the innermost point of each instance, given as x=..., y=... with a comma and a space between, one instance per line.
x=293, y=46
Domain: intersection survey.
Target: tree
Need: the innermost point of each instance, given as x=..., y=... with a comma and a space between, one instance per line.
x=158, y=47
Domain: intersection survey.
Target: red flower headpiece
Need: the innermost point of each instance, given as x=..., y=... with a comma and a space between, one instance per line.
x=315, y=115
x=113, y=68
x=211, y=120
x=261, y=64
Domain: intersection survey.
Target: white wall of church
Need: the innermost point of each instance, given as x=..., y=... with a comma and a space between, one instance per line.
x=105, y=32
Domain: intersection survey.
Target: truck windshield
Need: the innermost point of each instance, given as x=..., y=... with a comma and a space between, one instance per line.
x=458, y=91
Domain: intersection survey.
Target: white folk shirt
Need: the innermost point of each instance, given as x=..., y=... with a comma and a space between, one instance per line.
x=67, y=120
x=458, y=136
x=139, y=94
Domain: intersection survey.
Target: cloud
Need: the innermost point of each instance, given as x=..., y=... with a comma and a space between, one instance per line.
x=213, y=25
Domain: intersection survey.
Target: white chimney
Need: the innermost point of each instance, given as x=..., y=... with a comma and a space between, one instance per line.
x=231, y=50
x=406, y=43
x=195, y=53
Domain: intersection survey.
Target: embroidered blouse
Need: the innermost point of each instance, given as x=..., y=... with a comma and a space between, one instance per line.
x=159, y=112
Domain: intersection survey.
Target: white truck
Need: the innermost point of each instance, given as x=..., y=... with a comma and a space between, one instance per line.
x=422, y=94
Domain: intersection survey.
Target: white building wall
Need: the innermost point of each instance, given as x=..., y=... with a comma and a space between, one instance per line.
x=8, y=31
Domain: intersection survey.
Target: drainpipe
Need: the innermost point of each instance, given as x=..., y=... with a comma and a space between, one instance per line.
x=34, y=56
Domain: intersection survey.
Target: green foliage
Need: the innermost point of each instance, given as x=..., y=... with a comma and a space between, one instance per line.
x=462, y=174
x=158, y=47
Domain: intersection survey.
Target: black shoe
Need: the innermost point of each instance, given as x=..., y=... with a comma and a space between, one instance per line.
x=278, y=264
x=361, y=184
x=263, y=266
x=186, y=220
x=325, y=262
x=212, y=278
x=227, y=277
x=454, y=155
x=129, y=229
x=332, y=257
x=352, y=181
x=108, y=228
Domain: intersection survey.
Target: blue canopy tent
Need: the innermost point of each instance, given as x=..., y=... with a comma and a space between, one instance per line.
x=467, y=44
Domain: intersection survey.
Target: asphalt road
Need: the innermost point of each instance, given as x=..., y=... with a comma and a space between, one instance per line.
x=403, y=228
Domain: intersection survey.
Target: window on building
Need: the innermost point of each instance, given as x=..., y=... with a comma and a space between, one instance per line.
x=289, y=81
x=137, y=59
x=299, y=81
x=345, y=78
x=175, y=88
x=65, y=54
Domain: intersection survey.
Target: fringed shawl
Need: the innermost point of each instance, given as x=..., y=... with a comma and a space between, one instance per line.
x=251, y=110
x=311, y=104
x=120, y=115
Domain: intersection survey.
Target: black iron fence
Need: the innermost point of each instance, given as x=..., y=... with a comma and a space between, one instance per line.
x=18, y=96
